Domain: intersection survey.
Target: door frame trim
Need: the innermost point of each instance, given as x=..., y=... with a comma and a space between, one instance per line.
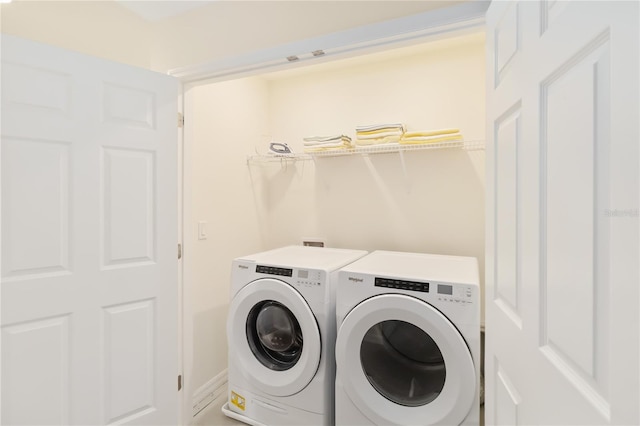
x=427, y=26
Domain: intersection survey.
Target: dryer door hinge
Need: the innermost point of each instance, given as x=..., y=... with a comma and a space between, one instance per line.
x=180, y=120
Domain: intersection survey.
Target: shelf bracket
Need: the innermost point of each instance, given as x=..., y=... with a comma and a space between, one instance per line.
x=403, y=164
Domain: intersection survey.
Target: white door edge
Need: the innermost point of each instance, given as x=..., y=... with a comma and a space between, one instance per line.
x=182, y=395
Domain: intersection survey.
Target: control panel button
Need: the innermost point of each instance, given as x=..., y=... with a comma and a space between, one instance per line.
x=402, y=284
x=272, y=270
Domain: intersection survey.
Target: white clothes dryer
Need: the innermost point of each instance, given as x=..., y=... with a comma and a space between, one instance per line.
x=408, y=343
x=281, y=335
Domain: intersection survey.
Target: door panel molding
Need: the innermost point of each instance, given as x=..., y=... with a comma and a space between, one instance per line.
x=57, y=193
x=574, y=309
x=507, y=269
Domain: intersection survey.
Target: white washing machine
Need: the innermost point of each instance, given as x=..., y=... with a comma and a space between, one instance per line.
x=408, y=343
x=281, y=333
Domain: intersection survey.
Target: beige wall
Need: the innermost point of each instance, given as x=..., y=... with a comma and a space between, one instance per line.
x=98, y=28
x=226, y=120
x=370, y=203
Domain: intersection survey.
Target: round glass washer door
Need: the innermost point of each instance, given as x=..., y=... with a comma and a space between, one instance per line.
x=274, y=336
x=401, y=361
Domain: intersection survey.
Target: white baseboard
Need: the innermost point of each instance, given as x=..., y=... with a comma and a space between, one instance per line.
x=208, y=392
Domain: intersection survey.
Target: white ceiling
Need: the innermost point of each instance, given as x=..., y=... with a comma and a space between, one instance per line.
x=157, y=10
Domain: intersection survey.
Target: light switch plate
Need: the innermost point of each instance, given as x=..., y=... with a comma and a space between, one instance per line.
x=202, y=230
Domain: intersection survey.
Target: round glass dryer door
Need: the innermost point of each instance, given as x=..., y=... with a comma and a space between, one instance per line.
x=273, y=337
x=418, y=372
x=401, y=361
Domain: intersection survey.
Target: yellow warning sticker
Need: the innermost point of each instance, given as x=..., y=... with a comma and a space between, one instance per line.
x=237, y=400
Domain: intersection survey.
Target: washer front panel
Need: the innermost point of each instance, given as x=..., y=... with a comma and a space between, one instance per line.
x=283, y=382
x=379, y=395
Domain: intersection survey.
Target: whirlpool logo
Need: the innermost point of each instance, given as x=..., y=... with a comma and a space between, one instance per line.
x=355, y=280
x=243, y=267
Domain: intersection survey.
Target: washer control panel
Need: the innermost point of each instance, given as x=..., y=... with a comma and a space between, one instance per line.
x=301, y=277
x=309, y=281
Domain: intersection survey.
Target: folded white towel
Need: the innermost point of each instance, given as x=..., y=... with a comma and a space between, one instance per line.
x=374, y=127
x=378, y=135
x=319, y=144
x=378, y=141
x=325, y=138
x=328, y=142
x=325, y=149
x=315, y=141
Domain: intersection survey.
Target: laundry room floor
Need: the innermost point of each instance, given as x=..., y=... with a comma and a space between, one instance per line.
x=212, y=415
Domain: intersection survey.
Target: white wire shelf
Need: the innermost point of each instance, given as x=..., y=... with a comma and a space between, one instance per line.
x=393, y=148
x=366, y=150
x=276, y=158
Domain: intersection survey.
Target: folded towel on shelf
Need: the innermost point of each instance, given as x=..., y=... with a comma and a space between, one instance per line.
x=431, y=133
x=320, y=139
x=379, y=127
x=327, y=149
x=417, y=140
x=379, y=134
x=328, y=140
x=378, y=141
x=327, y=143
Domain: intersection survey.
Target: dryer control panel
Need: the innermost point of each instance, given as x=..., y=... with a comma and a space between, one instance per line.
x=444, y=292
x=454, y=293
x=273, y=270
x=308, y=278
x=402, y=284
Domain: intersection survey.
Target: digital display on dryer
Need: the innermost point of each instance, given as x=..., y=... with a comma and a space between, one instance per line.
x=445, y=289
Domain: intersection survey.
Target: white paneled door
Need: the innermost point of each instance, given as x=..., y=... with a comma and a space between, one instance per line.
x=89, y=240
x=562, y=198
